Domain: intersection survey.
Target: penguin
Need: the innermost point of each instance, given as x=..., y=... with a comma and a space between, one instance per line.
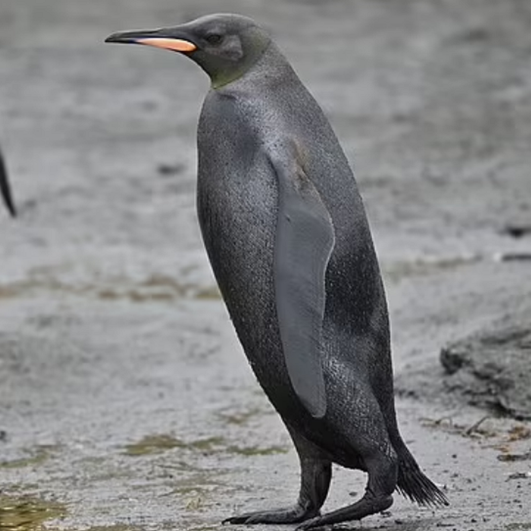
x=288, y=239
x=5, y=189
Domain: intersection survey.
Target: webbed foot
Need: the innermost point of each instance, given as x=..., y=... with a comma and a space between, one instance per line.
x=362, y=508
x=316, y=472
x=287, y=515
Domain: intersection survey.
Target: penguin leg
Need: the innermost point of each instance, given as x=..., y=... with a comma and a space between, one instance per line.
x=383, y=472
x=316, y=474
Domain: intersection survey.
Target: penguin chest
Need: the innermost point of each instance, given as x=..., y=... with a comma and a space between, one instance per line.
x=237, y=208
x=238, y=232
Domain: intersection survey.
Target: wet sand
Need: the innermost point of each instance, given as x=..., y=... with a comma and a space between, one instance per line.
x=124, y=395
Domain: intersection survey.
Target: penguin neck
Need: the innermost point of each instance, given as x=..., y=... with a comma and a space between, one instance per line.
x=258, y=45
x=268, y=67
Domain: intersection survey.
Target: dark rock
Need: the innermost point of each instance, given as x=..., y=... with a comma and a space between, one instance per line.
x=516, y=230
x=514, y=257
x=493, y=369
x=170, y=169
x=509, y=458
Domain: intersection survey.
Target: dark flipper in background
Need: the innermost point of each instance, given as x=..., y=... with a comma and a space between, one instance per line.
x=5, y=188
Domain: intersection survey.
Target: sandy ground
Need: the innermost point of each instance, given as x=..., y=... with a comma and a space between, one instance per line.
x=125, y=398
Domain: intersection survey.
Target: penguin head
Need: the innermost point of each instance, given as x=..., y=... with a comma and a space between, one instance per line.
x=225, y=46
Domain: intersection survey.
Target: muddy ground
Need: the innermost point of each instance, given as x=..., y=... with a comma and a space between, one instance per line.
x=125, y=399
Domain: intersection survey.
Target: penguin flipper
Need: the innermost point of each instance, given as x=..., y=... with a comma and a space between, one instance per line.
x=5, y=189
x=304, y=242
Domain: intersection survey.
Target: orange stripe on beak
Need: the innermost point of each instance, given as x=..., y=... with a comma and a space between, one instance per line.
x=177, y=45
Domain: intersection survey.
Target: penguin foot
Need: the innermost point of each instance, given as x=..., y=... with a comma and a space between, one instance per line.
x=313, y=523
x=287, y=515
x=362, y=508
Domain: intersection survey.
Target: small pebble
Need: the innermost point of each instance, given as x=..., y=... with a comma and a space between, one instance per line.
x=170, y=169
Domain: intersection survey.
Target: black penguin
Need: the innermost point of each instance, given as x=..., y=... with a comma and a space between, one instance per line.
x=5, y=189
x=287, y=236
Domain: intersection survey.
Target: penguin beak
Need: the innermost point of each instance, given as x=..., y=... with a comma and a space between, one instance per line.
x=161, y=38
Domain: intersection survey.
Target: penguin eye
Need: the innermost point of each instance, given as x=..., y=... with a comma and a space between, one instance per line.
x=213, y=38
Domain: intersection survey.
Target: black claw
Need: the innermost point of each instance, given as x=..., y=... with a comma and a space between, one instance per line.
x=313, y=523
x=235, y=520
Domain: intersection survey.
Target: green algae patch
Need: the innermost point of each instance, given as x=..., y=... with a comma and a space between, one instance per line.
x=256, y=450
x=397, y=271
x=208, y=294
x=26, y=513
x=156, y=444
x=116, y=527
x=194, y=493
x=156, y=288
x=240, y=418
x=206, y=445
x=35, y=457
x=153, y=444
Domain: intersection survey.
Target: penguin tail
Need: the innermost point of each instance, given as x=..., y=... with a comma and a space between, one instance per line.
x=414, y=484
